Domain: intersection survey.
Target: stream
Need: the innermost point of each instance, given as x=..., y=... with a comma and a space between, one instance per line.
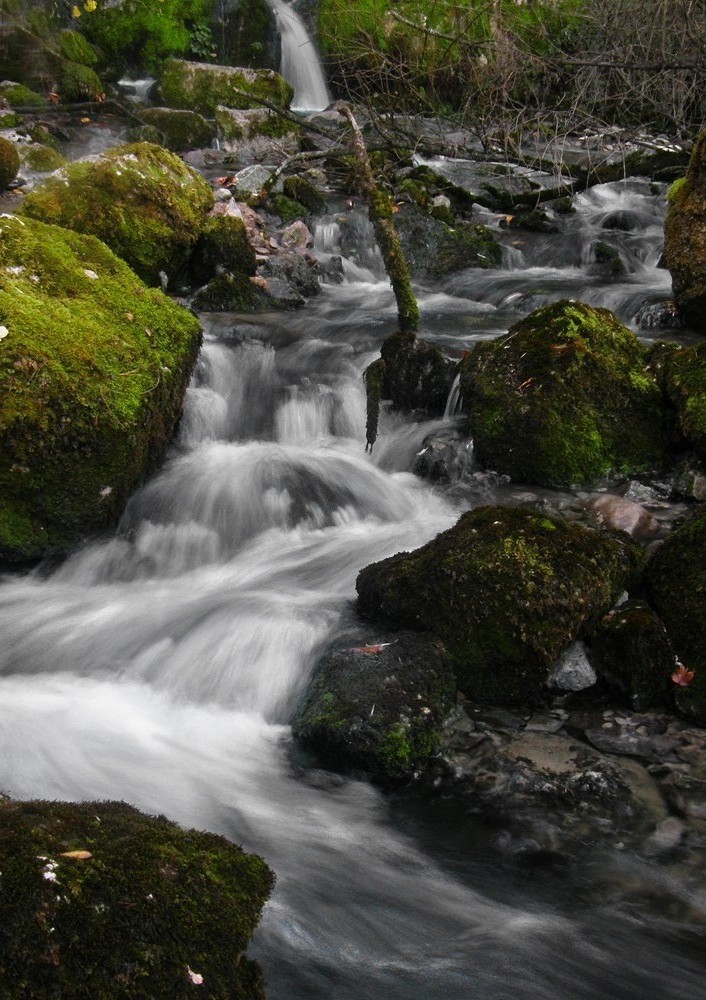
x=161, y=666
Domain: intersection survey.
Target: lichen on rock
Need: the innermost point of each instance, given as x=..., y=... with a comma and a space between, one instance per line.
x=93, y=368
x=140, y=199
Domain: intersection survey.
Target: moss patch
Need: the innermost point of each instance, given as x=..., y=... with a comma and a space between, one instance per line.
x=9, y=162
x=565, y=398
x=140, y=199
x=380, y=712
x=93, y=368
x=17, y=95
x=685, y=238
x=202, y=87
x=681, y=372
x=140, y=905
x=42, y=159
x=182, y=130
x=222, y=246
x=506, y=590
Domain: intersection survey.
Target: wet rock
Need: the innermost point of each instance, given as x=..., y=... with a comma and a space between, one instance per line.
x=417, y=376
x=298, y=271
x=573, y=670
x=659, y=315
x=256, y=135
x=296, y=236
x=675, y=586
x=223, y=246
x=614, y=738
x=252, y=179
x=564, y=398
x=681, y=372
x=620, y=514
x=690, y=481
x=434, y=249
x=507, y=590
x=667, y=836
x=445, y=455
x=632, y=651
x=378, y=707
x=685, y=238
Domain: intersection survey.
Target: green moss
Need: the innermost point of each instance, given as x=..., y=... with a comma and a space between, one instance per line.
x=92, y=374
x=633, y=652
x=181, y=130
x=682, y=375
x=17, y=95
x=222, y=246
x=675, y=586
x=506, y=590
x=287, y=209
x=78, y=83
x=301, y=190
x=148, y=903
x=685, y=238
x=676, y=191
x=374, y=380
x=42, y=159
x=200, y=87
x=230, y=293
x=140, y=199
x=565, y=398
x=9, y=162
x=381, y=711
x=76, y=48
x=10, y=120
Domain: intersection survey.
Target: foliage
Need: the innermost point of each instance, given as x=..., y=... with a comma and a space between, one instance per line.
x=143, y=34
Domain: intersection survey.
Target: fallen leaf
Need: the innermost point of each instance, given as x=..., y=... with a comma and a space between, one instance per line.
x=77, y=855
x=376, y=647
x=195, y=977
x=682, y=676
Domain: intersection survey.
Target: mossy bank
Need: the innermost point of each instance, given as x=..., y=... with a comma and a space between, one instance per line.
x=93, y=369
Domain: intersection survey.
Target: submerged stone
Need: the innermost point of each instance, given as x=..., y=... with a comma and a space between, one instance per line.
x=140, y=199
x=101, y=900
x=93, y=369
x=565, y=398
x=507, y=590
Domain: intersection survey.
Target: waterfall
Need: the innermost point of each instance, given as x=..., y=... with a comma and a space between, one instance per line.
x=300, y=65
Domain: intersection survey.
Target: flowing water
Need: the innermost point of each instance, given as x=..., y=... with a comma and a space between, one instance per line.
x=161, y=666
x=300, y=64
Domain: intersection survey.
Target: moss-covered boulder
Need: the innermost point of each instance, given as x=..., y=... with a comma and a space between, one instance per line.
x=632, y=651
x=202, y=86
x=78, y=83
x=231, y=293
x=301, y=190
x=507, y=590
x=39, y=62
x=42, y=159
x=17, y=95
x=99, y=900
x=182, y=130
x=244, y=125
x=435, y=249
x=9, y=162
x=378, y=708
x=681, y=373
x=565, y=398
x=140, y=199
x=223, y=246
x=675, y=586
x=93, y=369
x=685, y=238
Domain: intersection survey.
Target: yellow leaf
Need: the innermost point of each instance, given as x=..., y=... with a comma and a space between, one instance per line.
x=90, y=6
x=75, y=12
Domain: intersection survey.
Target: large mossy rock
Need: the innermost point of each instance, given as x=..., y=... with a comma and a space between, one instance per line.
x=675, y=585
x=202, y=87
x=681, y=372
x=140, y=199
x=9, y=162
x=506, y=590
x=62, y=63
x=565, y=398
x=378, y=708
x=93, y=369
x=685, y=238
x=182, y=130
x=99, y=900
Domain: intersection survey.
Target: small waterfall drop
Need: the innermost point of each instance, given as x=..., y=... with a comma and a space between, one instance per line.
x=300, y=64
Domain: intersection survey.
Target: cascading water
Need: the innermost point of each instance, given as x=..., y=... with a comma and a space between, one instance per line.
x=300, y=64
x=162, y=667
